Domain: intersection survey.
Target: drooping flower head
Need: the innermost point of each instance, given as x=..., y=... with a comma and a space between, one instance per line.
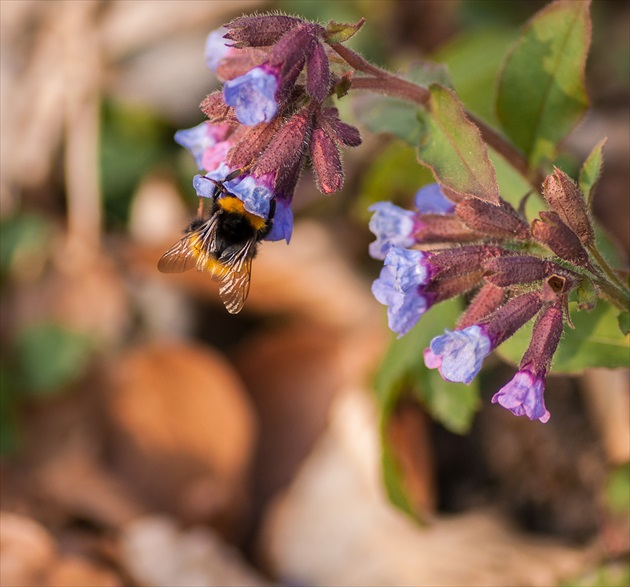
x=459, y=354
x=523, y=396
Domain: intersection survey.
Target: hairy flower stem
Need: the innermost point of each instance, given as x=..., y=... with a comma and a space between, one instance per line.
x=615, y=296
x=389, y=84
x=605, y=267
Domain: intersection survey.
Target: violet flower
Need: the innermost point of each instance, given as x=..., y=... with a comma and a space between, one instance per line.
x=459, y=354
x=252, y=95
x=523, y=396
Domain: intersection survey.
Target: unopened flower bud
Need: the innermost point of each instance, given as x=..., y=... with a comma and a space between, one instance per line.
x=500, y=221
x=318, y=73
x=552, y=232
x=215, y=108
x=287, y=146
x=446, y=287
x=326, y=160
x=438, y=228
x=512, y=316
x=515, y=269
x=564, y=198
x=546, y=336
x=260, y=31
x=487, y=300
x=462, y=260
x=459, y=354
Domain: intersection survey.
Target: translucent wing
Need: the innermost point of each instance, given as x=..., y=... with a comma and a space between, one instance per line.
x=193, y=250
x=234, y=283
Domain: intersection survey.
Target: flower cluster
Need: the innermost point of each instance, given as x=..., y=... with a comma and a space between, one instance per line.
x=448, y=246
x=271, y=118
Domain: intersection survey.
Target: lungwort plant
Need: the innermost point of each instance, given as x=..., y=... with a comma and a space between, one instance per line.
x=478, y=263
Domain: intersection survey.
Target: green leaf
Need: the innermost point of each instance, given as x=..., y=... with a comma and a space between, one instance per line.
x=587, y=295
x=624, y=321
x=541, y=94
x=592, y=167
x=24, y=240
x=337, y=32
x=473, y=60
x=452, y=147
x=392, y=477
x=594, y=342
x=50, y=357
x=403, y=369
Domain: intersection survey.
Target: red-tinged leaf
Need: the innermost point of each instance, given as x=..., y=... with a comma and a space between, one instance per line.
x=452, y=147
x=591, y=169
x=337, y=32
x=541, y=94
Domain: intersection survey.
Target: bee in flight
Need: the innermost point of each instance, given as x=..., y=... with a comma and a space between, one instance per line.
x=223, y=245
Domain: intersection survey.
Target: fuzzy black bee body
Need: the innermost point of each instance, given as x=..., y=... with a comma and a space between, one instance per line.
x=224, y=245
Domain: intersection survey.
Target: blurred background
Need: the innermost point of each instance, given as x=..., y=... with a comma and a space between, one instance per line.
x=148, y=437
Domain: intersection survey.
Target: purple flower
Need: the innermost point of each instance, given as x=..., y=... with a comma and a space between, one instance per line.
x=523, y=396
x=409, y=267
x=282, y=221
x=399, y=288
x=201, y=139
x=459, y=354
x=215, y=155
x=393, y=226
x=216, y=48
x=431, y=200
x=253, y=95
x=256, y=193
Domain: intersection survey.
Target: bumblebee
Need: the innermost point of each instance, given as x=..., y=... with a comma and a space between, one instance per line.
x=223, y=244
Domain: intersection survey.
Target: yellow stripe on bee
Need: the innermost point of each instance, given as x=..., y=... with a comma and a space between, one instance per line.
x=233, y=204
x=209, y=263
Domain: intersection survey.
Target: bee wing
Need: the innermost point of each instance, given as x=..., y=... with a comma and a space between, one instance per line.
x=193, y=250
x=234, y=283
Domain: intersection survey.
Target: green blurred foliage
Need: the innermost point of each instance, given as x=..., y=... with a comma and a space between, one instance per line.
x=403, y=370
x=50, y=357
x=393, y=175
x=134, y=143
x=24, y=243
x=42, y=360
x=618, y=490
